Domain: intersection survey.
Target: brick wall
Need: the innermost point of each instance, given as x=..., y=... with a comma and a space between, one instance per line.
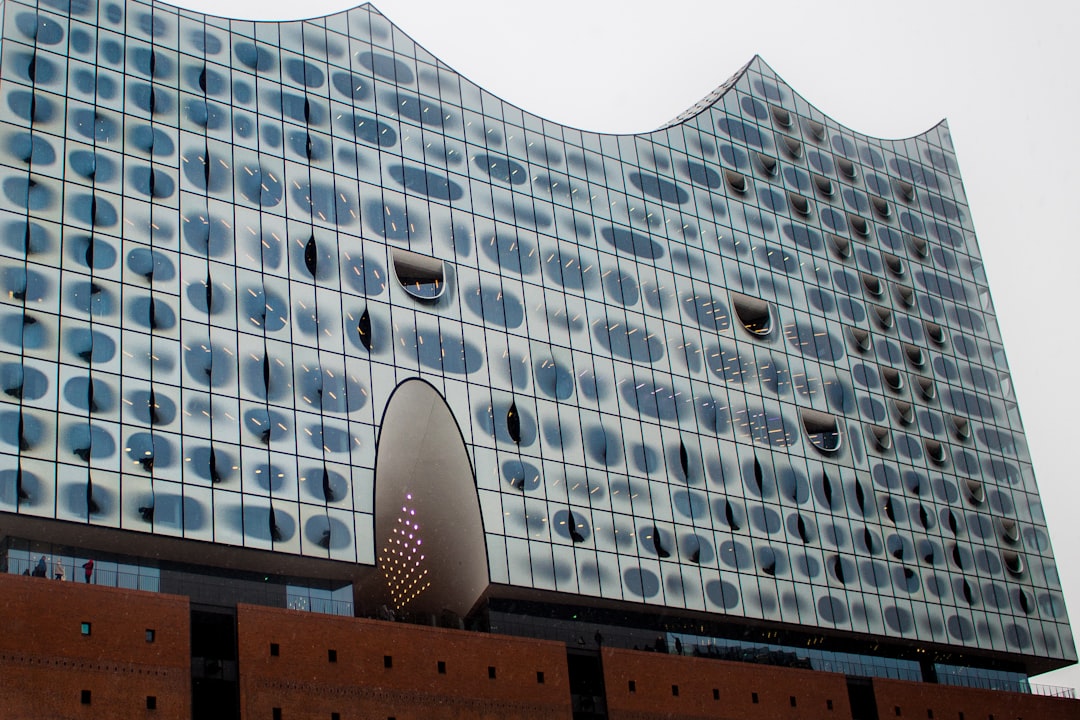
x=919, y=701
x=52, y=665
x=311, y=666
x=643, y=685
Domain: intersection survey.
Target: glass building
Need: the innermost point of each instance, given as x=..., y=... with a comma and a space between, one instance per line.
x=298, y=297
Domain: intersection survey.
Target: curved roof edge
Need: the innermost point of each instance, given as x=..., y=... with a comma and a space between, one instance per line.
x=706, y=103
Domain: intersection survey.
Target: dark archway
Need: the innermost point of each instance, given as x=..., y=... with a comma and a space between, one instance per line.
x=429, y=535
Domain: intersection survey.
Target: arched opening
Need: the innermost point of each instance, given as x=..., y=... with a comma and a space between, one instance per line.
x=429, y=534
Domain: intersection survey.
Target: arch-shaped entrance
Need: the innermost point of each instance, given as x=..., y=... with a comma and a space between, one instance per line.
x=429, y=534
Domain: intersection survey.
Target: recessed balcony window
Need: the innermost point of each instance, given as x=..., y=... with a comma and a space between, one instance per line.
x=918, y=246
x=904, y=295
x=935, y=332
x=799, y=204
x=781, y=116
x=859, y=338
x=936, y=452
x=823, y=431
x=905, y=190
x=841, y=246
x=846, y=168
x=926, y=388
x=792, y=147
x=421, y=276
x=893, y=379
x=767, y=163
x=904, y=412
x=961, y=427
x=859, y=226
x=884, y=317
x=824, y=186
x=816, y=129
x=1014, y=562
x=881, y=207
x=873, y=285
x=880, y=438
x=736, y=181
x=893, y=264
x=753, y=313
x=914, y=355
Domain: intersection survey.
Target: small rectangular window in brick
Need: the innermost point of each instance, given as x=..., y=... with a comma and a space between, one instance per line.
x=388, y=661
x=331, y=655
x=335, y=716
x=675, y=691
x=716, y=693
x=828, y=706
x=491, y=672
x=442, y=667
x=277, y=714
x=151, y=702
x=539, y=677
x=792, y=700
x=84, y=628
x=150, y=635
x=275, y=649
x=84, y=697
x=753, y=698
x=632, y=686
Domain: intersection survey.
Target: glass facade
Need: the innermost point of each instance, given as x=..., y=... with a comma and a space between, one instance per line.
x=746, y=364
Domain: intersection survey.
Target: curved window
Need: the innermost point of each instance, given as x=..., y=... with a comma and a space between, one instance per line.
x=793, y=147
x=935, y=451
x=816, y=129
x=846, y=168
x=859, y=225
x=976, y=493
x=753, y=313
x=799, y=204
x=841, y=246
x=880, y=437
x=927, y=388
x=824, y=186
x=421, y=276
x=884, y=317
x=961, y=427
x=904, y=411
x=904, y=189
x=859, y=338
x=768, y=164
x=893, y=379
x=873, y=285
x=919, y=246
x=781, y=116
x=1010, y=530
x=823, y=430
x=736, y=181
x=904, y=295
x=893, y=264
x=935, y=332
x=1014, y=562
x=914, y=355
x=881, y=206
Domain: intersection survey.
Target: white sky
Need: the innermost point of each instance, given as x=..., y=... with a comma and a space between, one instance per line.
x=1002, y=73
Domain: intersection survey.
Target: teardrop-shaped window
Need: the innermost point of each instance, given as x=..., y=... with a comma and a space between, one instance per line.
x=827, y=488
x=935, y=332
x=880, y=437
x=884, y=317
x=935, y=451
x=961, y=427
x=759, y=476
x=919, y=246
x=767, y=163
x=736, y=181
x=892, y=378
x=311, y=257
x=513, y=423
x=904, y=412
x=824, y=186
x=893, y=264
x=872, y=284
x=421, y=276
x=846, y=168
x=800, y=527
x=799, y=204
x=859, y=338
x=793, y=147
x=823, y=431
x=927, y=388
x=729, y=515
x=841, y=246
x=904, y=295
x=859, y=225
x=658, y=544
x=914, y=355
x=754, y=314
x=881, y=206
x=976, y=493
x=1010, y=530
x=1014, y=562
x=904, y=189
x=363, y=328
x=781, y=116
x=684, y=460
x=816, y=129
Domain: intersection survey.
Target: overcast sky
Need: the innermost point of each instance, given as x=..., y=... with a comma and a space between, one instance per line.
x=1002, y=73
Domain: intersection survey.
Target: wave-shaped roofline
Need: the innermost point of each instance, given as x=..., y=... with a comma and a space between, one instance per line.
x=708, y=102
